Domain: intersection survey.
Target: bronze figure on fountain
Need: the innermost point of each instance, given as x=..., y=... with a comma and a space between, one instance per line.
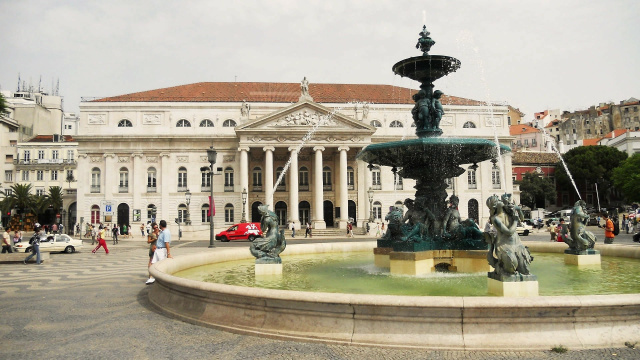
x=267, y=249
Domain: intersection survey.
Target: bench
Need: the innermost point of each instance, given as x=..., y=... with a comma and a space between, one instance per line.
x=19, y=257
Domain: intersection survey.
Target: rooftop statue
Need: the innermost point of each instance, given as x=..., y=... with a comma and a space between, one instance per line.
x=267, y=249
x=581, y=239
x=508, y=256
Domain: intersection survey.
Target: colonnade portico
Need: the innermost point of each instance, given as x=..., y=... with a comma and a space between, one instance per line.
x=339, y=194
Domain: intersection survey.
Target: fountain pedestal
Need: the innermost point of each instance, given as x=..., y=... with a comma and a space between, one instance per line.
x=587, y=257
x=268, y=269
x=381, y=257
x=424, y=262
x=512, y=285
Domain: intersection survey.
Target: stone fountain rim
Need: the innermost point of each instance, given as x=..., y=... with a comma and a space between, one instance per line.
x=465, y=322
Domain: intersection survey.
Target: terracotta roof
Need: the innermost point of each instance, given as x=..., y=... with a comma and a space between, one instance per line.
x=522, y=129
x=49, y=138
x=615, y=133
x=552, y=123
x=281, y=93
x=591, y=142
x=527, y=157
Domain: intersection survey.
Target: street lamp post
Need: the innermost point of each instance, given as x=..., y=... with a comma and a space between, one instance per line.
x=211, y=156
x=244, y=202
x=62, y=214
x=187, y=197
x=370, y=194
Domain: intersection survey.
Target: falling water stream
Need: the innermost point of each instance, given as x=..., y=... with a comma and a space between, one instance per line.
x=555, y=149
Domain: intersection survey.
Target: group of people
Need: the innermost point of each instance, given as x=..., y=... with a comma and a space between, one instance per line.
x=560, y=232
x=8, y=242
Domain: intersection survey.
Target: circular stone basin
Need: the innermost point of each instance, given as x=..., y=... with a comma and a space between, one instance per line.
x=426, y=68
x=438, y=152
x=355, y=273
x=433, y=322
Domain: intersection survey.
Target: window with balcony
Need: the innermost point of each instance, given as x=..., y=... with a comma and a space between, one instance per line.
x=283, y=183
x=95, y=180
x=123, y=186
x=228, y=214
x=471, y=178
x=54, y=154
x=303, y=179
x=326, y=178
x=40, y=154
x=27, y=156
x=182, y=179
x=257, y=179
x=204, y=214
x=495, y=177
x=376, y=183
x=25, y=175
x=228, y=179
x=70, y=156
x=205, y=180
x=397, y=182
x=151, y=180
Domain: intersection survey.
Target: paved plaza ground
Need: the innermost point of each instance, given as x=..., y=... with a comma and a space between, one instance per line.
x=86, y=306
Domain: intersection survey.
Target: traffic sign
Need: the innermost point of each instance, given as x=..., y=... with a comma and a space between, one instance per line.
x=107, y=207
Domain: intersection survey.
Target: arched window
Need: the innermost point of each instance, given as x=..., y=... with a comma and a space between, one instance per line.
x=283, y=183
x=182, y=213
x=376, y=123
x=229, y=123
x=395, y=124
x=123, y=186
x=125, y=123
x=204, y=212
x=495, y=176
x=304, y=212
x=228, y=179
x=182, y=179
x=257, y=179
x=205, y=179
x=95, y=214
x=471, y=178
x=469, y=125
x=303, y=179
x=151, y=212
x=183, y=123
x=376, y=184
x=326, y=178
x=377, y=210
x=95, y=180
x=152, y=180
x=206, y=123
x=228, y=214
x=351, y=178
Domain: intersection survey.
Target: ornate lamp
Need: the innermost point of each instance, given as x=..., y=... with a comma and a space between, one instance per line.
x=244, y=202
x=187, y=196
x=370, y=194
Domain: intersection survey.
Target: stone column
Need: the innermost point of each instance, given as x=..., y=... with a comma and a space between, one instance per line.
x=244, y=175
x=293, y=190
x=167, y=182
x=318, y=205
x=110, y=176
x=363, y=199
x=268, y=176
x=83, y=188
x=344, y=194
x=138, y=184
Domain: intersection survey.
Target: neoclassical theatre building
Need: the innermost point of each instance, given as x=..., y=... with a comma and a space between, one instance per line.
x=139, y=153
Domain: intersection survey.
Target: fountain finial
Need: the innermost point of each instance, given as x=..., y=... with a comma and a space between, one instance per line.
x=425, y=42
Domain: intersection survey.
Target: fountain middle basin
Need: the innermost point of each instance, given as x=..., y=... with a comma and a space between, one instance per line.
x=434, y=322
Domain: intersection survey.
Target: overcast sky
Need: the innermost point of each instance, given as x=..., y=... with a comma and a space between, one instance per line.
x=534, y=55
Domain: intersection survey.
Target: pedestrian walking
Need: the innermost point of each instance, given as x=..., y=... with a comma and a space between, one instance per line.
x=92, y=230
x=350, y=230
x=152, y=240
x=115, y=231
x=102, y=234
x=6, y=242
x=163, y=247
x=35, y=247
x=54, y=228
x=378, y=230
x=142, y=229
x=293, y=230
x=308, y=230
x=608, y=230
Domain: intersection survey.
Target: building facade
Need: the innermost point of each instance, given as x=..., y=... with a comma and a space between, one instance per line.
x=293, y=150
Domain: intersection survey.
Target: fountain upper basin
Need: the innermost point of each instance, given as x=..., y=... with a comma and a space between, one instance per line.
x=426, y=68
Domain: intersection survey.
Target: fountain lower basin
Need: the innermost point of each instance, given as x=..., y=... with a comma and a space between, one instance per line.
x=433, y=322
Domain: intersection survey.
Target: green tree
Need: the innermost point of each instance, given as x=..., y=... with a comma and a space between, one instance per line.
x=3, y=104
x=55, y=198
x=70, y=178
x=592, y=164
x=536, y=190
x=19, y=197
x=626, y=178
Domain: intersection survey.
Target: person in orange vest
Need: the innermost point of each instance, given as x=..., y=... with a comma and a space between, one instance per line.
x=608, y=230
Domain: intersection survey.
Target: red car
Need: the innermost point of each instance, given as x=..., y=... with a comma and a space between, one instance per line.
x=245, y=231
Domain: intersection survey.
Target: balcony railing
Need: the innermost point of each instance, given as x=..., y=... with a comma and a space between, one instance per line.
x=205, y=188
x=257, y=187
x=350, y=187
x=152, y=189
x=228, y=188
x=182, y=188
x=376, y=187
x=327, y=187
x=473, y=186
x=281, y=188
x=95, y=189
x=399, y=187
x=496, y=186
x=45, y=161
x=303, y=187
x=123, y=189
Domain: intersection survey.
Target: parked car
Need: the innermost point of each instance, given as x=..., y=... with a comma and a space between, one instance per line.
x=245, y=231
x=524, y=229
x=53, y=243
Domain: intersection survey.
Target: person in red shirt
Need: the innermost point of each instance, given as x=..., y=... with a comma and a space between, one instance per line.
x=608, y=230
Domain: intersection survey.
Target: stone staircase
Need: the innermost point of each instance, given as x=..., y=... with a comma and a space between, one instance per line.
x=335, y=232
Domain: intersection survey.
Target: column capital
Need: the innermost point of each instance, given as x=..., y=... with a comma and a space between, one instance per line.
x=243, y=148
x=320, y=148
x=165, y=155
x=293, y=148
x=343, y=148
x=269, y=148
x=109, y=155
x=137, y=155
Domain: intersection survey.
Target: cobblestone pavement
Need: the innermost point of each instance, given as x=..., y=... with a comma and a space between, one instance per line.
x=86, y=306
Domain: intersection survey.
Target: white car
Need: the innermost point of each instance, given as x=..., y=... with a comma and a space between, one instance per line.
x=524, y=229
x=53, y=243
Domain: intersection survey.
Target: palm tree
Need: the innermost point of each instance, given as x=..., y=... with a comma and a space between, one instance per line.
x=55, y=198
x=19, y=197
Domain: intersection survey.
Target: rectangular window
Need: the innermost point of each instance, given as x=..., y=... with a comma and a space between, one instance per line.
x=40, y=192
x=27, y=155
x=54, y=154
x=228, y=215
x=40, y=154
x=205, y=178
x=526, y=142
x=54, y=175
x=534, y=143
x=69, y=174
x=471, y=179
x=39, y=175
x=8, y=176
x=25, y=175
x=70, y=155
